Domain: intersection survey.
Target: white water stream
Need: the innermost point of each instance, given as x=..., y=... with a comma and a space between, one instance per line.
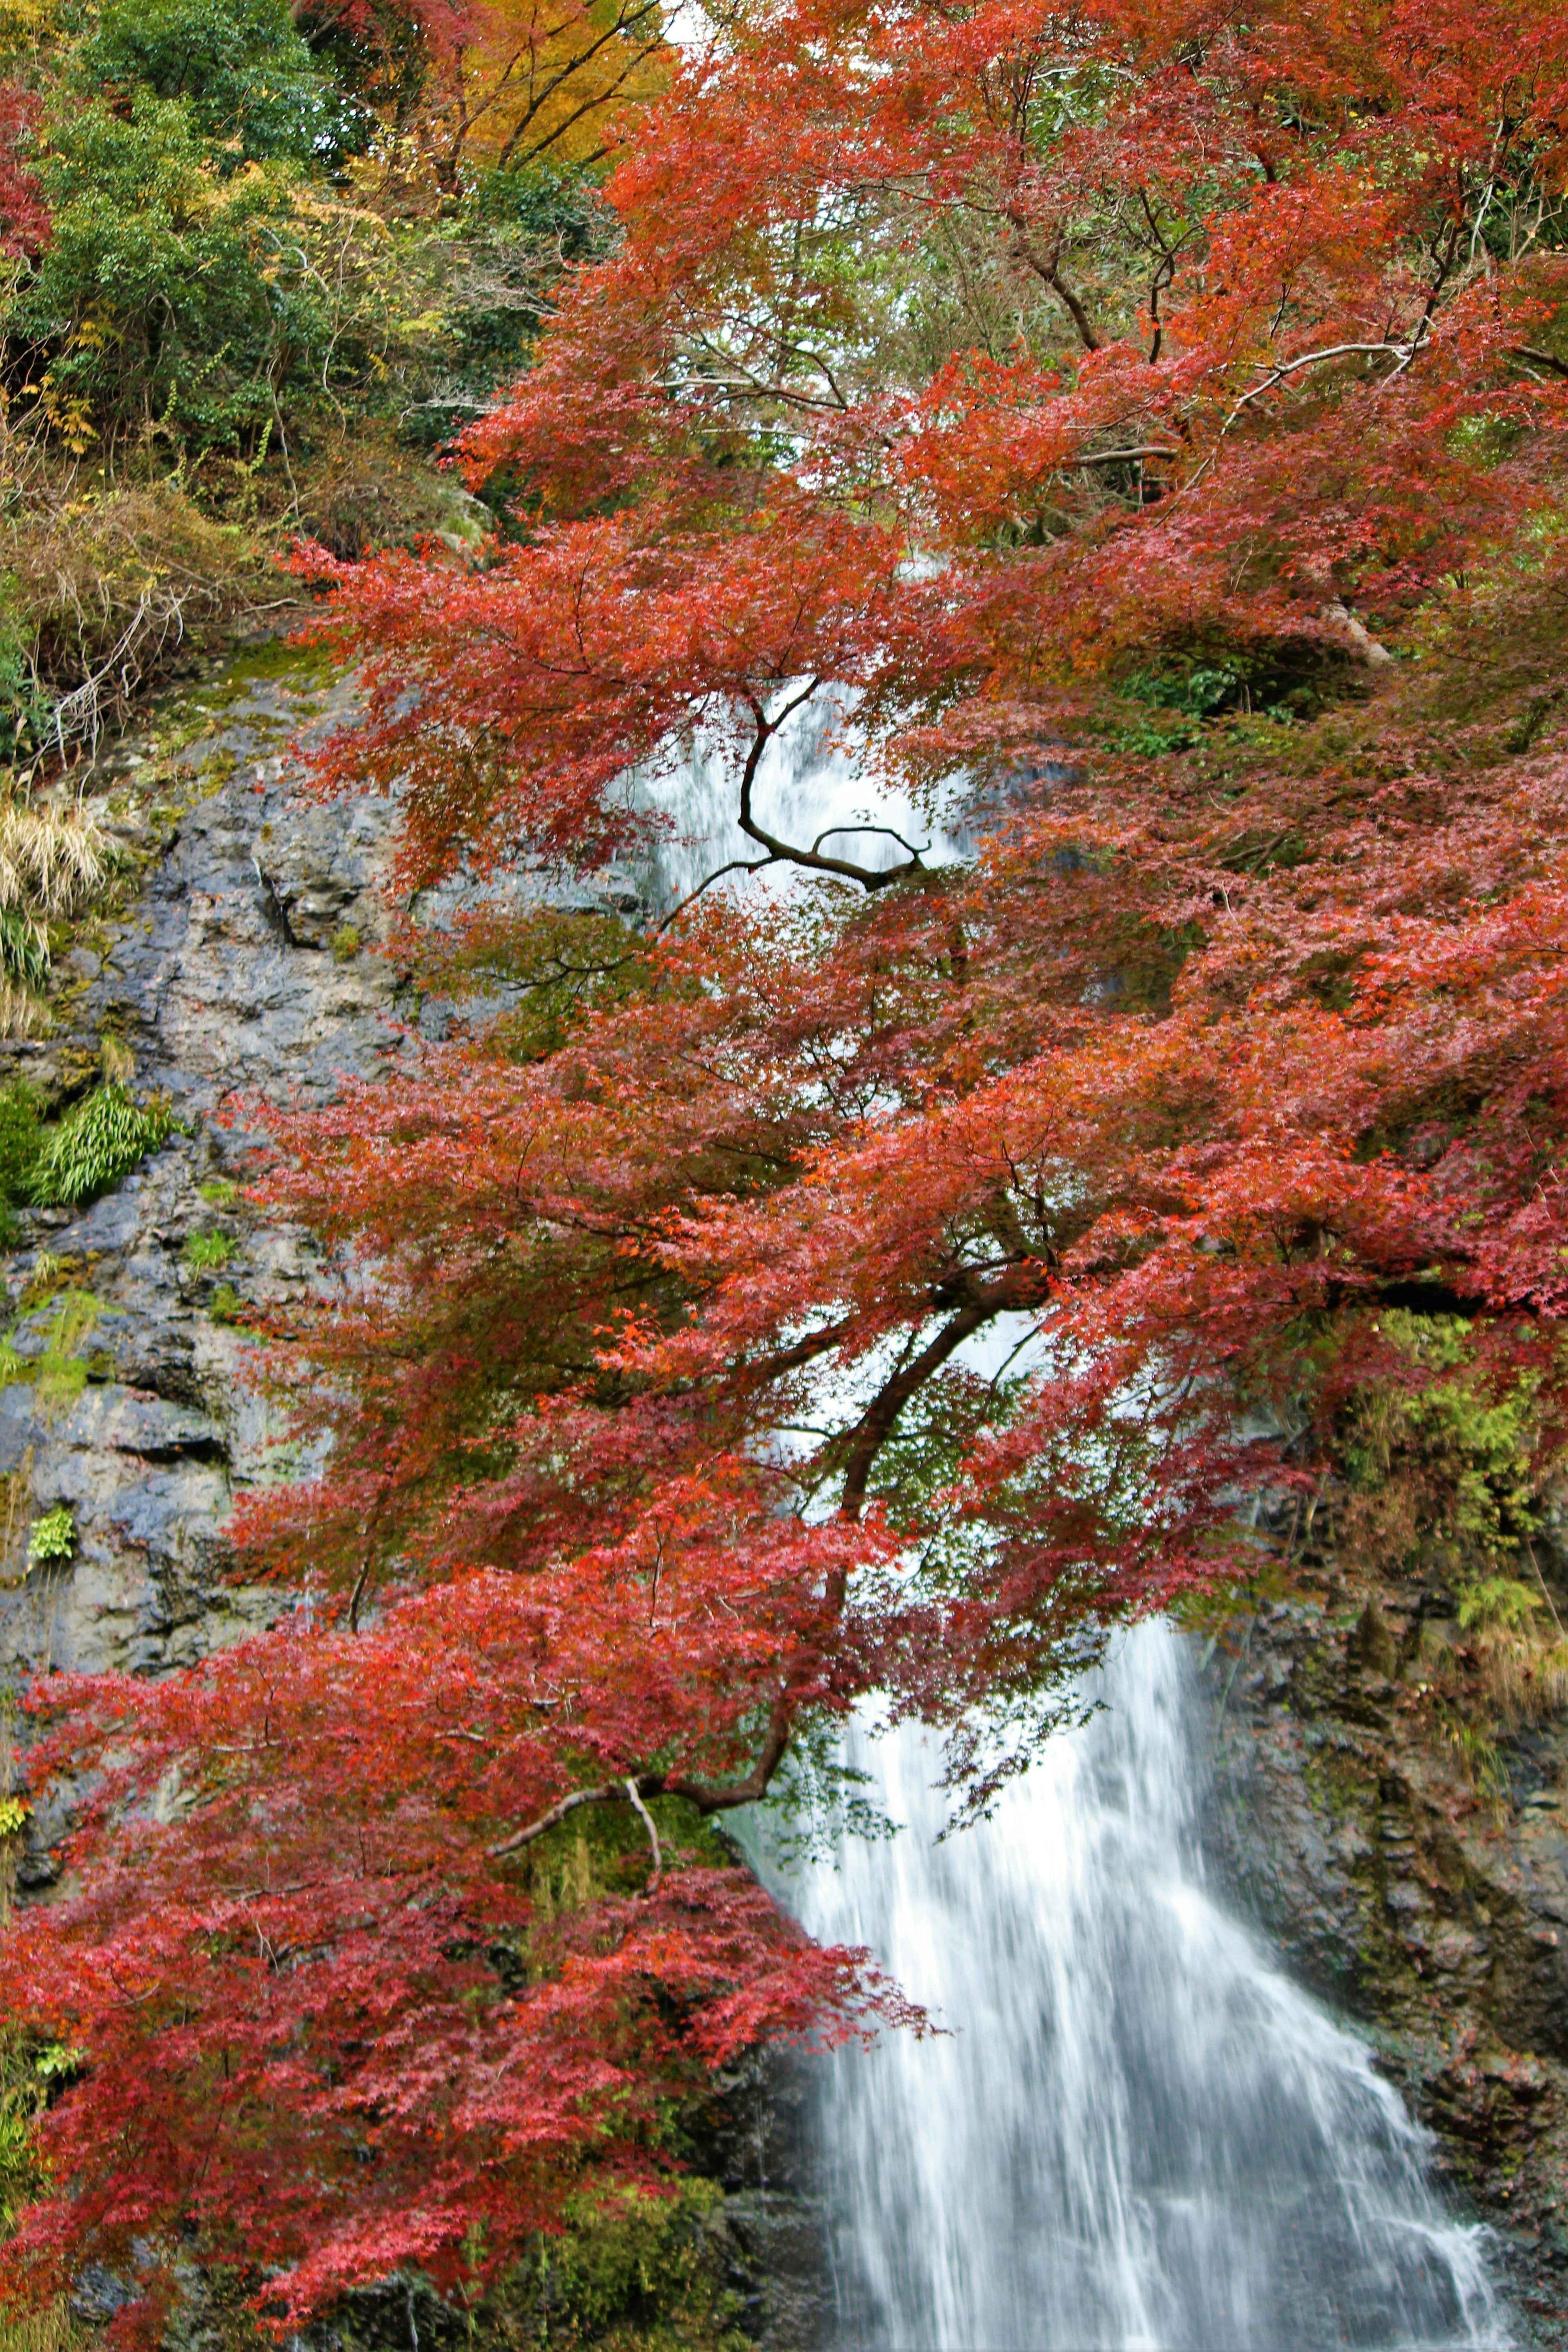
x=1136, y=2132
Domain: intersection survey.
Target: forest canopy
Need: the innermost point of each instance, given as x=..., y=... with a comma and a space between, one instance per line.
x=1139, y=430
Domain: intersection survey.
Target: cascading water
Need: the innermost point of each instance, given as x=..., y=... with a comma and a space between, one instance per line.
x=1136, y=2132
x=808, y=778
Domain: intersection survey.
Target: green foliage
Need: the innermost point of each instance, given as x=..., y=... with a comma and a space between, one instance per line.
x=633, y=2273
x=219, y=1191
x=1452, y=1458
x=53, y=1536
x=491, y=269
x=24, y=947
x=96, y=1145
x=206, y=1252
x=253, y=88
x=1476, y=1752
x=28, y=2075
x=60, y=1374
x=20, y=1136
x=1447, y=1470
x=554, y=967
x=17, y=2170
x=1181, y=693
x=933, y=1435
x=160, y=298
x=1500, y=1600
x=208, y=285
x=23, y=709
x=345, y=943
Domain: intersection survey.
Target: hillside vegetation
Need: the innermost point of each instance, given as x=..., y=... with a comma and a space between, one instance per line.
x=259, y=263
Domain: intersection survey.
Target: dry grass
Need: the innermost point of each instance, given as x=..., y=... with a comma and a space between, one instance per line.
x=22, y=1014
x=103, y=587
x=83, y=564
x=45, y=2331
x=52, y=860
x=1526, y=1678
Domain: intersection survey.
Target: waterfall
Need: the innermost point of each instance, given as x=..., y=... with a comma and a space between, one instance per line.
x=1136, y=2132
x=808, y=777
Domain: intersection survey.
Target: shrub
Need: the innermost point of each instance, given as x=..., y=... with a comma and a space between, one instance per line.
x=96, y=1145
x=53, y=1536
x=150, y=298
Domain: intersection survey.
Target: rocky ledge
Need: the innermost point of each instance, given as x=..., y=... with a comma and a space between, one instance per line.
x=1418, y=1884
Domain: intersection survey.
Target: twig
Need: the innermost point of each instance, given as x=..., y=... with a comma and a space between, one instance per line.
x=1546, y=1596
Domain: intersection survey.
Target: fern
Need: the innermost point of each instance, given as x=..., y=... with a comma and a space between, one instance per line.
x=97, y=1145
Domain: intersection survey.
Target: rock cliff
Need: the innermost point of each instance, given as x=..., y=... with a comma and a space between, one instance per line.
x=1420, y=1886
x=227, y=963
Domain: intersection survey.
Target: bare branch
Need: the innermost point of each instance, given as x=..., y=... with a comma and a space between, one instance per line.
x=647, y=1822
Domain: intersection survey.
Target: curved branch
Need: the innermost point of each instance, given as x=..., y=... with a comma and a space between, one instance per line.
x=869, y=877
x=609, y=1793
x=647, y=1822
x=875, y=1424
x=736, y=866
x=915, y=854
x=1049, y=272
x=1541, y=359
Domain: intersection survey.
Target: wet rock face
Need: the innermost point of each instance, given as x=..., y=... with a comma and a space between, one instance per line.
x=752, y=2137
x=1425, y=1896
x=231, y=967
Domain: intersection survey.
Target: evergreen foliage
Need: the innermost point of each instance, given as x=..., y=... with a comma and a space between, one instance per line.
x=253, y=89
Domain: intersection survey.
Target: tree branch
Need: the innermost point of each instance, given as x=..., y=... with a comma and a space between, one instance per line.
x=647, y=1822
x=1542, y=359
x=1049, y=274
x=869, y=877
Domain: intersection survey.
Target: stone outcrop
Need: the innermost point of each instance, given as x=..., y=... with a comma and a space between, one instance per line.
x=229, y=965
x=1418, y=1885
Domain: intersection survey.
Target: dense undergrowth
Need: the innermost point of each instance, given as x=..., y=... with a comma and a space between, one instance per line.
x=258, y=267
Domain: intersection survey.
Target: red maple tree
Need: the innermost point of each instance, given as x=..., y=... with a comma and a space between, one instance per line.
x=1155, y=422
x=24, y=215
